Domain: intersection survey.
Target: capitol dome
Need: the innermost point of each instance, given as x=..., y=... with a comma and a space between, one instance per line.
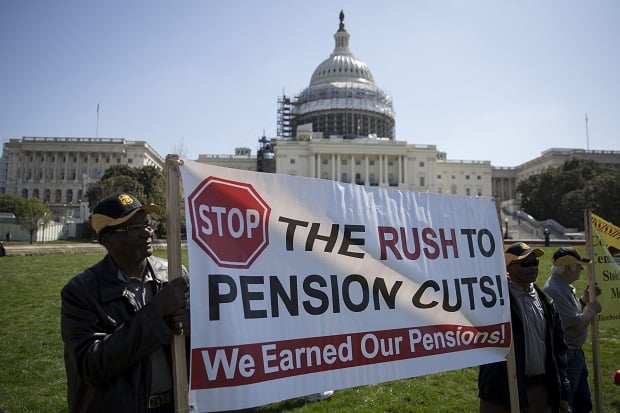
x=342, y=99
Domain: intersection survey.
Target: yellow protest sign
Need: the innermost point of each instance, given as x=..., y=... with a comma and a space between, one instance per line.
x=606, y=248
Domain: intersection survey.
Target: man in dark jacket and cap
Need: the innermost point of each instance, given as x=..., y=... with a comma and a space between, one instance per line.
x=119, y=316
x=538, y=342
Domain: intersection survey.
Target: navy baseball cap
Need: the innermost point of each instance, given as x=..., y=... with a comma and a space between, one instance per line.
x=117, y=209
x=519, y=251
x=568, y=256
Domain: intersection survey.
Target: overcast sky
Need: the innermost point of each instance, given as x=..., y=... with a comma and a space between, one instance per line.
x=483, y=79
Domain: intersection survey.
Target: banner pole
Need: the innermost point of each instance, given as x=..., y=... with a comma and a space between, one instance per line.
x=511, y=364
x=596, y=348
x=175, y=264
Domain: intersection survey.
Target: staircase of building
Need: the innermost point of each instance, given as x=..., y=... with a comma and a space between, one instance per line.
x=518, y=225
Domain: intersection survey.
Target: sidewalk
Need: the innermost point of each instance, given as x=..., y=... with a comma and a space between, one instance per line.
x=45, y=249
x=15, y=249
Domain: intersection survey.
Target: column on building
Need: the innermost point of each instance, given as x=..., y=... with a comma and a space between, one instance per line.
x=338, y=163
x=312, y=161
x=333, y=162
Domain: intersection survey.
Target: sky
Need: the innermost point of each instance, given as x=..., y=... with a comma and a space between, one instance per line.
x=485, y=80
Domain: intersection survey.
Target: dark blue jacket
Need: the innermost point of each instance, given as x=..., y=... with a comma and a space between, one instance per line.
x=108, y=341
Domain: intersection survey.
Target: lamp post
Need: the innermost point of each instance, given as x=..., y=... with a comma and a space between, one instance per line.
x=506, y=228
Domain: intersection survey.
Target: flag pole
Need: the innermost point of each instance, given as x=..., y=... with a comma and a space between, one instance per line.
x=511, y=363
x=97, y=130
x=173, y=238
x=587, y=134
x=596, y=348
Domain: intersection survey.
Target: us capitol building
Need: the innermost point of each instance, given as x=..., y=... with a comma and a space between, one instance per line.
x=340, y=127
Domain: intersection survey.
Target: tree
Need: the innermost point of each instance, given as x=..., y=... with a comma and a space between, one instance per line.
x=10, y=203
x=31, y=214
x=563, y=193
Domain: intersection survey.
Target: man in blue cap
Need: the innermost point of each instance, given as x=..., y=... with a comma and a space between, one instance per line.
x=119, y=316
x=576, y=314
x=538, y=342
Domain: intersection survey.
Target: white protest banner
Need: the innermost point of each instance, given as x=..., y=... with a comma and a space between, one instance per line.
x=302, y=285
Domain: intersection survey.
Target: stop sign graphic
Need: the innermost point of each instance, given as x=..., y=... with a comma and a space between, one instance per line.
x=229, y=221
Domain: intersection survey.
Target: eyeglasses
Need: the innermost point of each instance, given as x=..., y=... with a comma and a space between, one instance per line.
x=135, y=228
x=529, y=263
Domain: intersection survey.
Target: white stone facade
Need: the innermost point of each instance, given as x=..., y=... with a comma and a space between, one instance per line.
x=383, y=163
x=58, y=170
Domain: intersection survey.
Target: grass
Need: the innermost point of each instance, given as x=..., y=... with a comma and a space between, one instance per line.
x=32, y=377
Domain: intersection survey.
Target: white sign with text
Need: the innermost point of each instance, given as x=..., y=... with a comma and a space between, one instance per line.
x=302, y=285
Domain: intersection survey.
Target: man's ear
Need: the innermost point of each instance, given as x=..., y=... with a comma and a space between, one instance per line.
x=104, y=239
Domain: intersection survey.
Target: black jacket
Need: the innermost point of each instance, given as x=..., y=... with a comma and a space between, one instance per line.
x=107, y=340
x=493, y=378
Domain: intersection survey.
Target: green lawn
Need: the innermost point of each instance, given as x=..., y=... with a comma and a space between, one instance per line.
x=32, y=377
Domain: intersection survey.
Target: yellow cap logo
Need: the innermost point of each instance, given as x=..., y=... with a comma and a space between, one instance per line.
x=125, y=199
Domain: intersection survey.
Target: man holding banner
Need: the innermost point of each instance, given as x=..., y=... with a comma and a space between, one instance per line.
x=576, y=315
x=119, y=316
x=540, y=349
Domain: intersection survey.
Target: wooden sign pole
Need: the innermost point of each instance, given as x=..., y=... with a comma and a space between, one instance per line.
x=175, y=265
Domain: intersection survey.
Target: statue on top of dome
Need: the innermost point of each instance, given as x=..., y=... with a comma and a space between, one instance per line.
x=341, y=20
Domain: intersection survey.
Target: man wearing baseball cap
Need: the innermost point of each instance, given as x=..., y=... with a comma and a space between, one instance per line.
x=576, y=314
x=538, y=342
x=119, y=316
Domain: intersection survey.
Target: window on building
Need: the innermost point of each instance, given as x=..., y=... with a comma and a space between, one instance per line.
x=292, y=161
x=130, y=160
x=24, y=193
x=325, y=175
x=343, y=161
x=344, y=177
x=438, y=176
x=371, y=162
x=358, y=162
x=467, y=177
x=324, y=161
x=453, y=177
x=422, y=181
x=479, y=192
x=57, y=196
x=479, y=177
x=371, y=179
x=421, y=163
x=453, y=189
x=467, y=191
